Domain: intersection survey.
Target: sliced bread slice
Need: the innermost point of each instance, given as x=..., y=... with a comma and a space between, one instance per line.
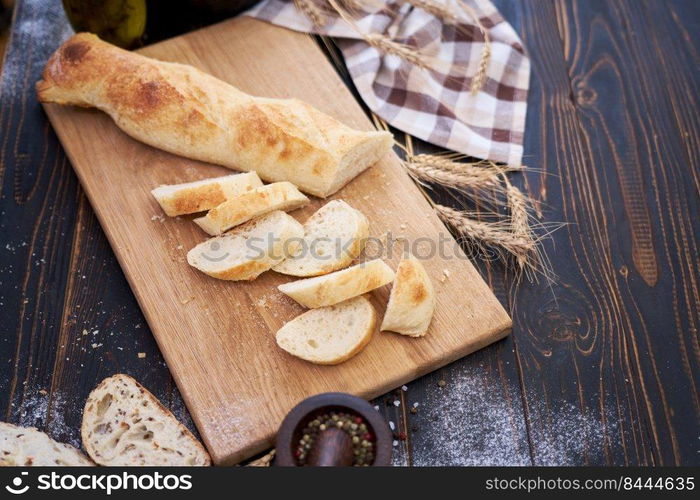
x=124, y=424
x=339, y=286
x=198, y=196
x=330, y=335
x=250, y=249
x=25, y=446
x=259, y=201
x=412, y=300
x=333, y=237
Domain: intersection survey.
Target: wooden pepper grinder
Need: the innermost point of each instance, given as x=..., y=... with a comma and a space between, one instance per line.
x=332, y=446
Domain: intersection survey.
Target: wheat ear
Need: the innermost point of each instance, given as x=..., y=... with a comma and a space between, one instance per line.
x=494, y=234
x=480, y=77
x=386, y=45
x=313, y=11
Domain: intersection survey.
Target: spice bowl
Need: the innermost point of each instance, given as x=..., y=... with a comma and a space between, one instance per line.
x=333, y=429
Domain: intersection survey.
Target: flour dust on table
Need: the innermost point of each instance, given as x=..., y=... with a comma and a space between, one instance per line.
x=468, y=426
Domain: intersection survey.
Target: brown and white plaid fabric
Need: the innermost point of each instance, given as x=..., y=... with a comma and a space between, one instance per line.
x=424, y=103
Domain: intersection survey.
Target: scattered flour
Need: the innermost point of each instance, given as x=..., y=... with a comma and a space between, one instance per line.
x=471, y=421
x=35, y=410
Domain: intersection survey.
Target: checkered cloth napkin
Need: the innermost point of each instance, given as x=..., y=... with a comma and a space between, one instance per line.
x=436, y=106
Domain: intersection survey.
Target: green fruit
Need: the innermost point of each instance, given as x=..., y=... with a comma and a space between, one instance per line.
x=121, y=22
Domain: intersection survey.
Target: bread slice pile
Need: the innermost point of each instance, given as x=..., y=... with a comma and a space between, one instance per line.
x=334, y=236
x=123, y=425
x=198, y=196
x=250, y=249
x=253, y=234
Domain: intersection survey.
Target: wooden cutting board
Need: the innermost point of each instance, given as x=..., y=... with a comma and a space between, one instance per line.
x=218, y=337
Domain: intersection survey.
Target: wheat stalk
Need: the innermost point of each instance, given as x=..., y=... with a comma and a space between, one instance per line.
x=449, y=16
x=454, y=180
x=313, y=11
x=514, y=236
x=519, y=205
x=495, y=234
x=388, y=46
x=437, y=9
x=480, y=76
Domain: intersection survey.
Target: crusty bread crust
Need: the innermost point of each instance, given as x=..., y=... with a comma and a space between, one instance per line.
x=198, y=196
x=336, y=287
x=129, y=406
x=329, y=311
x=184, y=111
x=412, y=300
x=345, y=243
x=254, y=203
x=27, y=446
x=285, y=237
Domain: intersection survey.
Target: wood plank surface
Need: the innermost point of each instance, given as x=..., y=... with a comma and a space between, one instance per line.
x=611, y=351
x=218, y=337
x=551, y=365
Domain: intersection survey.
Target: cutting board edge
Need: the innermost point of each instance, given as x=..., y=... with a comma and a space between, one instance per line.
x=260, y=445
x=500, y=316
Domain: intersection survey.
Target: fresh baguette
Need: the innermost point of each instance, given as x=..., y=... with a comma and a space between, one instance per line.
x=333, y=237
x=259, y=201
x=249, y=249
x=412, y=300
x=329, y=335
x=339, y=286
x=124, y=424
x=25, y=446
x=198, y=196
x=184, y=111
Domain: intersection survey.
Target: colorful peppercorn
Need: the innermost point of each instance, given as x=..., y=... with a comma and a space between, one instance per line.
x=354, y=426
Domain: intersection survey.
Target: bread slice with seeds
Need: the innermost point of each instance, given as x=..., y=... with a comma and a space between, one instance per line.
x=250, y=249
x=198, y=196
x=259, y=201
x=333, y=237
x=124, y=424
x=339, y=286
x=25, y=446
x=330, y=335
x=412, y=300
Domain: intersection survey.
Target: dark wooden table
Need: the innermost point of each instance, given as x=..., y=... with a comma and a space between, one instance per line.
x=601, y=368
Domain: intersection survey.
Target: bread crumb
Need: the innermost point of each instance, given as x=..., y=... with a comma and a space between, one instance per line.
x=43, y=392
x=85, y=332
x=445, y=275
x=141, y=355
x=179, y=247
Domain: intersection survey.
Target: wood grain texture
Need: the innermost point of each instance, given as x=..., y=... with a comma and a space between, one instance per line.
x=58, y=275
x=218, y=337
x=612, y=348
